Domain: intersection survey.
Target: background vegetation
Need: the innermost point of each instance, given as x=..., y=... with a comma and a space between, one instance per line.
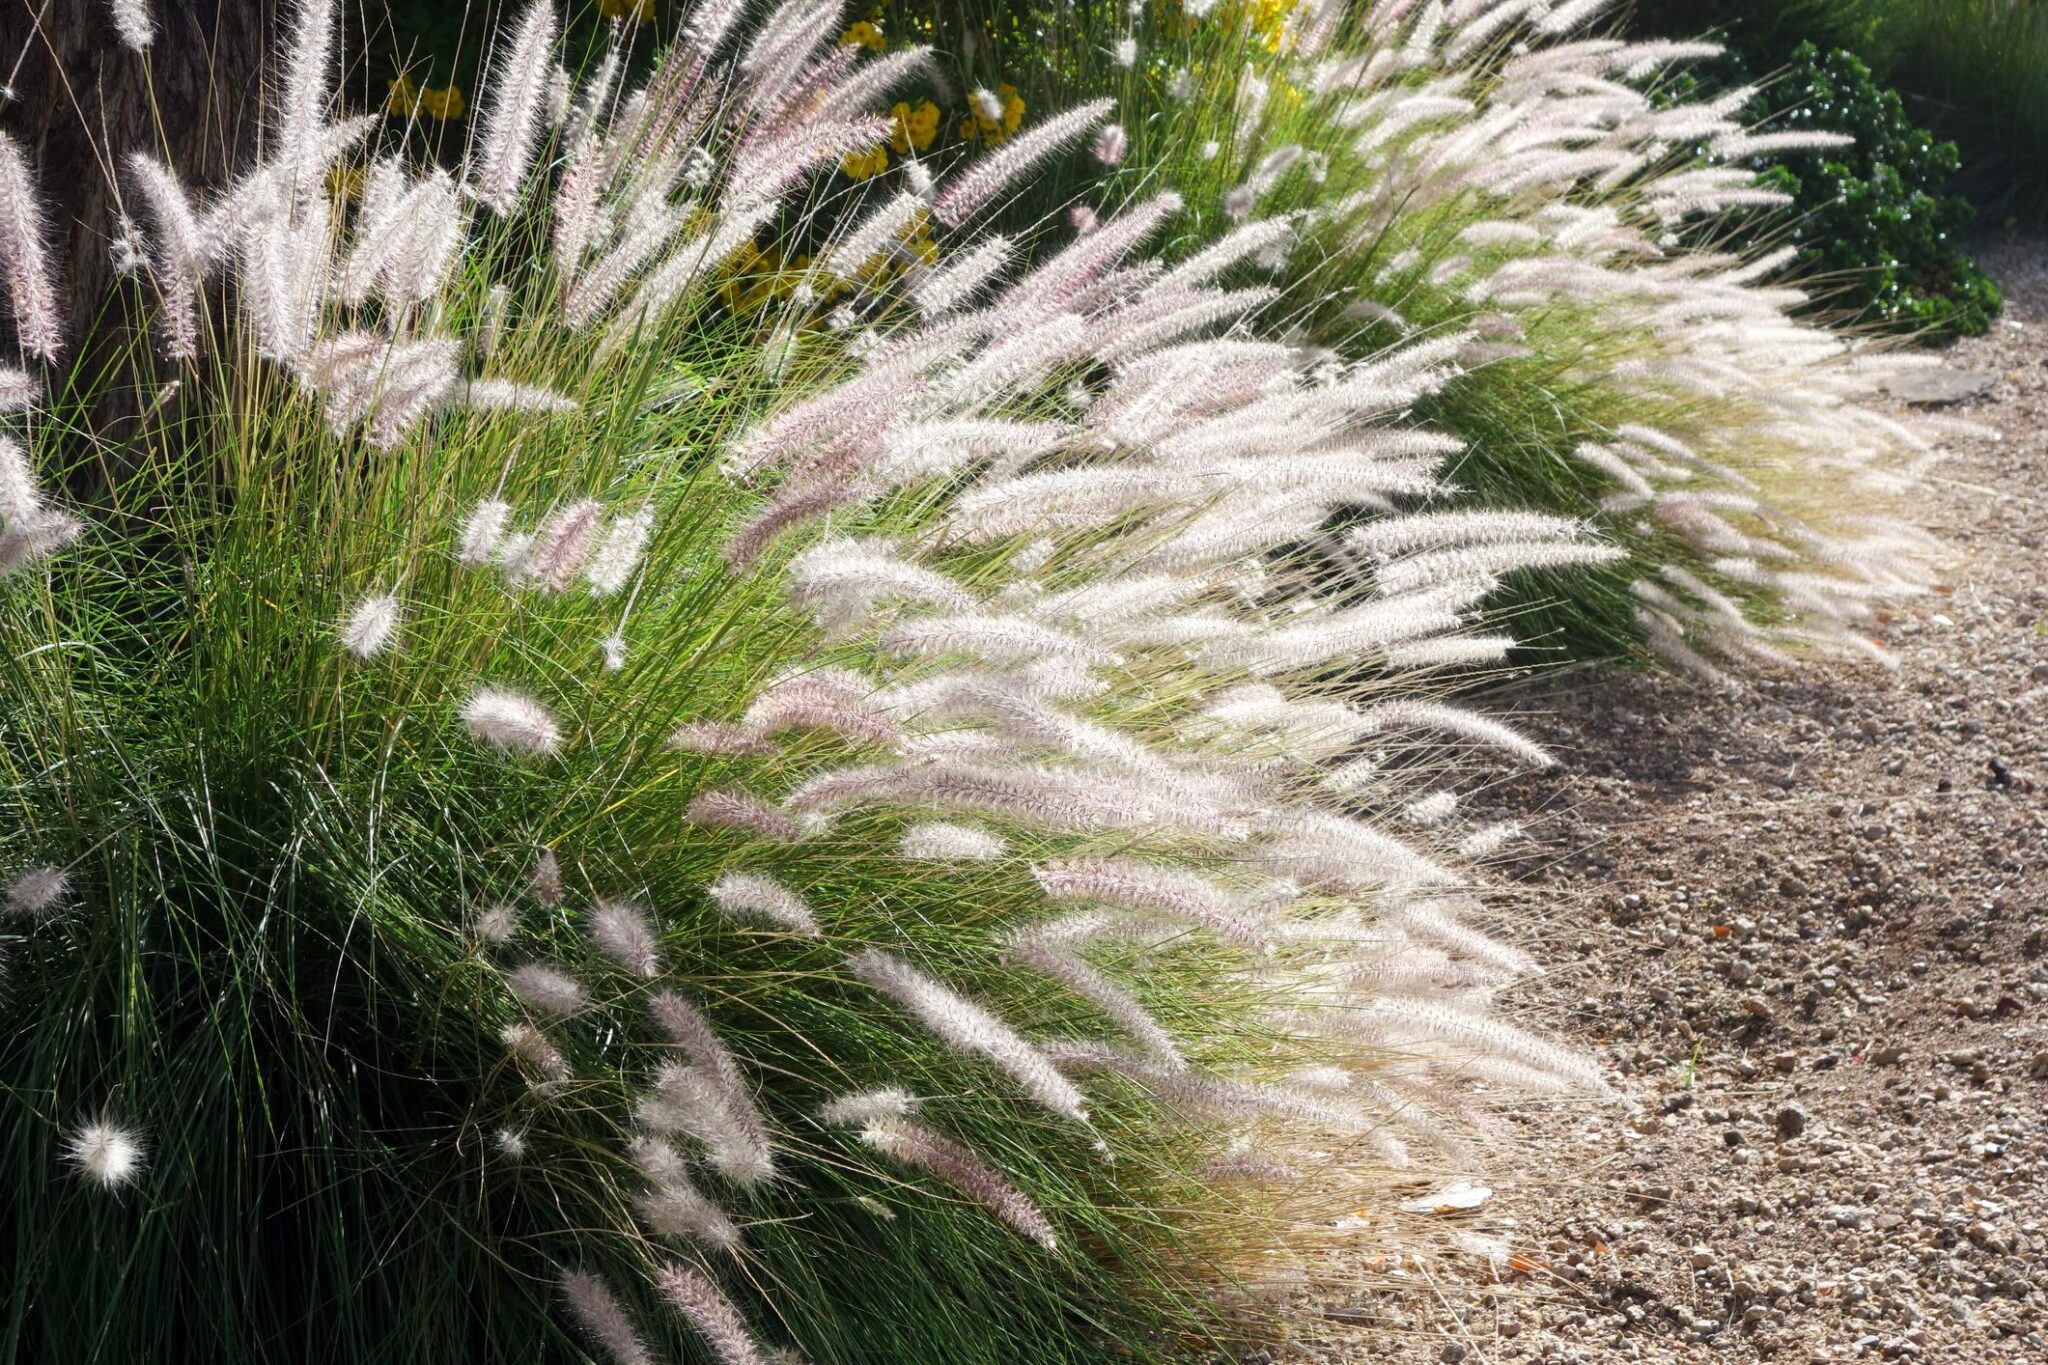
x=1974, y=71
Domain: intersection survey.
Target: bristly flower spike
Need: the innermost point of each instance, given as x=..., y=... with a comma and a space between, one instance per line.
x=712, y=1314
x=604, y=1317
x=37, y=893
x=372, y=626
x=132, y=21
x=547, y=988
x=521, y=82
x=623, y=932
x=26, y=269
x=979, y=187
x=511, y=722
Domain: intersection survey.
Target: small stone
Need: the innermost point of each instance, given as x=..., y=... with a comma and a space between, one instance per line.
x=1791, y=1121
x=1938, y=387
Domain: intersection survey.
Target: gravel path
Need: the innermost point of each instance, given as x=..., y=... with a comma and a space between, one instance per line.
x=1809, y=926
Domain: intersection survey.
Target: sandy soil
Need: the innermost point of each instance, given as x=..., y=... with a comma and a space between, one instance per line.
x=1807, y=925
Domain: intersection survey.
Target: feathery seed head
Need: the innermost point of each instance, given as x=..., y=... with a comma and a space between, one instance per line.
x=26, y=270
x=521, y=80
x=372, y=626
x=511, y=722
x=497, y=923
x=483, y=532
x=741, y=811
x=749, y=895
x=607, y=1320
x=105, y=1153
x=18, y=389
x=20, y=497
x=37, y=893
x=1110, y=145
x=545, y=882
x=719, y=737
x=618, y=555
x=624, y=933
x=938, y=841
x=706, y=1309
x=133, y=23
x=548, y=989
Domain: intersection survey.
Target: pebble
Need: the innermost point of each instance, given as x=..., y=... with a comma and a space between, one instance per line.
x=1791, y=1121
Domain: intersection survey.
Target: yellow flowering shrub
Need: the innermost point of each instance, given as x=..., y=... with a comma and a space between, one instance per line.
x=443, y=104
x=1174, y=20
x=917, y=239
x=864, y=34
x=1265, y=18
x=402, y=97
x=864, y=165
x=407, y=100
x=914, y=128
x=345, y=183
x=760, y=276
x=980, y=126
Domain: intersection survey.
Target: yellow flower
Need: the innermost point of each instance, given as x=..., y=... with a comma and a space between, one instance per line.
x=760, y=277
x=636, y=10
x=914, y=128
x=862, y=165
x=442, y=104
x=1268, y=19
x=748, y=283
x=863, y=34
x=403, y=100
x=917, y=240
x=993, y=117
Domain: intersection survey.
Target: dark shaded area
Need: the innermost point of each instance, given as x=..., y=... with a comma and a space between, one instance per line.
x=81, y=97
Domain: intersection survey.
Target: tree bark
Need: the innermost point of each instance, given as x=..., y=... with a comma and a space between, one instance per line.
x=82, y=101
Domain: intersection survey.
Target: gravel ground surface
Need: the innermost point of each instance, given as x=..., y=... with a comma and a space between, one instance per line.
x=1808, y=926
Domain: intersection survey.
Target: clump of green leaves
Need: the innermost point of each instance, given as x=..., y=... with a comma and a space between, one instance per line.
x=1874, y=222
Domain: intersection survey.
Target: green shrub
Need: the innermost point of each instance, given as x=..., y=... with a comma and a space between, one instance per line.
x=1876, y=224
x=1972, y=70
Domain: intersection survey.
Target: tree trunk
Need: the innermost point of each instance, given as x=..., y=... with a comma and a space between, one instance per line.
x=82, y=101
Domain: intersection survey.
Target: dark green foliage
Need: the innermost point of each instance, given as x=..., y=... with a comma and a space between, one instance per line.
x=1972, y=70
x=1878, y=224
x=1977, y=71
x=1763, y=33
x=1877, y=220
